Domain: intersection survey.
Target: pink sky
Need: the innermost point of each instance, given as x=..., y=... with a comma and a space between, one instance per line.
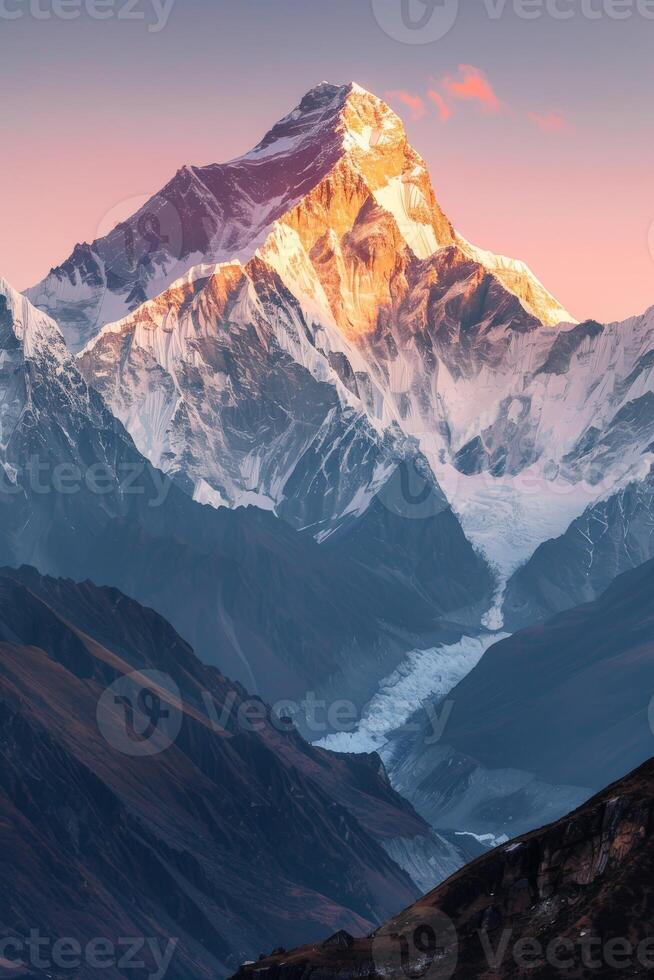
x=534, y=149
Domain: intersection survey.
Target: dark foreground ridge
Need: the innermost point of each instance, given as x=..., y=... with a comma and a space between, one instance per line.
x=208, y=838
x=572, y=900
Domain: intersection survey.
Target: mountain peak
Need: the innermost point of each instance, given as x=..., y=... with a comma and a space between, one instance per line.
x=323, y=93
x=318, y=169
x=344, y=116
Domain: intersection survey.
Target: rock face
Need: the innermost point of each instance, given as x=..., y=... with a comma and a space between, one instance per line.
x=546, y=718
x=230, y=834
x=574, y=898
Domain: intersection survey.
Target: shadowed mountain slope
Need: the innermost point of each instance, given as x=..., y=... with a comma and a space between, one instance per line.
x=208, y=819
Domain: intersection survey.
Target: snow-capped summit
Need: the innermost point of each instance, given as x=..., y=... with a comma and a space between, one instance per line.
x=314, y=170
x=318, y=118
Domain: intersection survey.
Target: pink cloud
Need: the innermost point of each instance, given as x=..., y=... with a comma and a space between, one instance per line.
x=444, y=109
x=473, y=86
x=414, y=102
x=553, y=122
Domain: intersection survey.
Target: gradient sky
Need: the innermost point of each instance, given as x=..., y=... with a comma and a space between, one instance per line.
x=540, y=146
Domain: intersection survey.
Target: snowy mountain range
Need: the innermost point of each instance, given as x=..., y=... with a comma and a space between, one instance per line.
x=313, y=324
x=343, y=451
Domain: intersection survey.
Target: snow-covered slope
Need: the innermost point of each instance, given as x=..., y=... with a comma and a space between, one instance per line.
x=610, y=537
x=45, y=404
x=517, y=277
